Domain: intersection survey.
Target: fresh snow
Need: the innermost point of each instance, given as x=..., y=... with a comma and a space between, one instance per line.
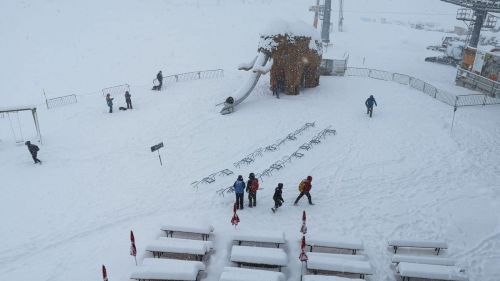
x=402, y=174
x=423, y=259
x=431, y=271
x=199, y=228
x=259, y=255
x=167, y=269
x=418, y=243
x=327, y=278
x=338, y=263
x=181, y=246
x=245, y=274
x=264, y=236
x=334, y=242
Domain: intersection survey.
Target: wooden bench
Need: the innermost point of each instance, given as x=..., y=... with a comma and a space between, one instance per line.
x=259, y=256
x=353, y=264
x=274, y=237
x=245, y=274
x=167, y=245
x=436, y=245
x=204, y=230
x=167, y=269
x=430, y=271
x=327, y=278
x=353, y=245
x=422, y=259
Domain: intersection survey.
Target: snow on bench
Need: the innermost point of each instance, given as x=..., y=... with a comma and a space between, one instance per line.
x=339, y=263
x=437, y=245
x=244, y=274
x=327, y=278
x=423, y=259
x=178, y=246
x=167, y=269
x=430, y=271
x=270, y=257
x=275, y=237
x=203, y=229
x=342, y=243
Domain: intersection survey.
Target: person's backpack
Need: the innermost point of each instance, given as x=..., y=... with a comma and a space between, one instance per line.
x=255, y=185
x=302, y=186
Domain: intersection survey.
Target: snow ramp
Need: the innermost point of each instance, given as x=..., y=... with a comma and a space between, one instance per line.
x=259, y=67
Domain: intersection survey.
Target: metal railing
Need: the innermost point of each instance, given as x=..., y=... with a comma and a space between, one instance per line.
x=60, y=101
x=472, y=80
x=189, y=76
x=424, y=87
x=116, y=90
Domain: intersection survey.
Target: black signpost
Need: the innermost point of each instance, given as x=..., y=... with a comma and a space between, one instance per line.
x=157, y=147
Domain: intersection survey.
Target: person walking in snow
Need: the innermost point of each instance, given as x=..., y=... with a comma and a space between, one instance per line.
x=109, y=101
x=252, y=187
x=369, y=105
x=33, y=149
x=304, y=188
x=159, y=77
x=239, y=190
x=128, y=100
x=278, y=197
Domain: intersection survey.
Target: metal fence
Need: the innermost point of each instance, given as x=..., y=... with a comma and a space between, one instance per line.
x=189, y=76
x=60, y=101
x=474, y=81
x=424, y=87
x=116, y=90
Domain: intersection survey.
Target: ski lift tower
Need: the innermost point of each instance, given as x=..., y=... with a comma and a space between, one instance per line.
x=325, y=28
x=475, y=12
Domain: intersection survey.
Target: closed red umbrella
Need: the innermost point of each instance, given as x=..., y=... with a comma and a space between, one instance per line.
x=303, y=257
x=104, y=273
x=133, y=249
x=235, y=219
x=303, y=228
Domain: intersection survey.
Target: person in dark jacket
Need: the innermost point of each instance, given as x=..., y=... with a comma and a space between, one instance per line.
x=109, y=101
x=369, y=105
x=239, y=190
x=252, y=187
x=159, y=77
x=305, y=189
x=128, y=100
x=278, y=197
x=33, y=149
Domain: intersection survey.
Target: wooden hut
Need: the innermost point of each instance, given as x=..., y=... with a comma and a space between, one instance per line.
x=295, y=50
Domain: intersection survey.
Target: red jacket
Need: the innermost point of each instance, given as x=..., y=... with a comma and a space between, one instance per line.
x=306, y=186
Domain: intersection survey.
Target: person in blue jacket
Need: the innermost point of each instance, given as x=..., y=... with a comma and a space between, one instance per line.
x=369, y=105
x=239, y=189
x=109, y=101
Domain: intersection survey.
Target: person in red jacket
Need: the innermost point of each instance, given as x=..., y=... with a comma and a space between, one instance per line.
x=304, y=188
x=252, y=187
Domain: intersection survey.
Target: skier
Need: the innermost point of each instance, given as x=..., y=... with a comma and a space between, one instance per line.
x=159, y=76
x=239, y=190
x=369, y=105
x=252, y=187
x=109, y=100
x=128, y=100
x=304, y=188
x=277, y=197
x=33, y=149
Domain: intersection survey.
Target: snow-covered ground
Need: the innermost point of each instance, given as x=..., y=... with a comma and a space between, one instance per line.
x=402, y=174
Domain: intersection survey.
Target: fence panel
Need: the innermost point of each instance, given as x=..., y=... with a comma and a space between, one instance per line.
x=417, y=84
x=60, y=101
x=401, y=78
x=380, y=75
x=354, y=71
x=189, y=76
x=116, y=90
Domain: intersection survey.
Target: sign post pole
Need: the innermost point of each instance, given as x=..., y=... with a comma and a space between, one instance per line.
x=159, y=156
x=157, y=147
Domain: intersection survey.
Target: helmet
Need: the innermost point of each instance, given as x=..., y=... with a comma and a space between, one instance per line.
x=27, y=143
x=251, y=175
x=309, y=178
x=371, y=96
x=240, y=177
x=280, y=185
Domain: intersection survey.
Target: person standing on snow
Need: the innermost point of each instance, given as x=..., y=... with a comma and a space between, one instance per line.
x=278, y=197
x=304, y=188
x=159, y=76
x=33, y=149
x=109, y=101
x=239, y=190
x=128, y=100
x=252, y=187
x=369, y=105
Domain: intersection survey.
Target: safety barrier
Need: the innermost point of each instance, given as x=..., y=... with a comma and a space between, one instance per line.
x=424, y=87
x=116, y=90
x=60, y=101
x=474, y=81
x=189, y=76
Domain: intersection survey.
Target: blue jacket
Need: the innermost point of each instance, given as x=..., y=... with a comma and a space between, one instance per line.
x=109, y=101
x=239, y=186
x=370, y=101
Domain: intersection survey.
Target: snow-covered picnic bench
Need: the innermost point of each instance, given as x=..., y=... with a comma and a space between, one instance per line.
x=327, y=278
x=167, y=269
x=342, y=243
x=423, y=260
x=436, y=245
x=203, y=229
x=430, y=271
x=245, y=274
x=167, y=245
x=353, y=264
x=259, y=256
x=275, y=237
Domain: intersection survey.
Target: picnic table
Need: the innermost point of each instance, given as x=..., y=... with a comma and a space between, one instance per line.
x=204, y=229
x=338, y=243
x=245, y=274
x=167, y=269
x=430, y=271
x=178, y=246
x=354, y=264
x=436, y=245
x=275, y=237
x=259, y=256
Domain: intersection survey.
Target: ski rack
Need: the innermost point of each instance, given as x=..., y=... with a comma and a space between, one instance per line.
x=211, y=178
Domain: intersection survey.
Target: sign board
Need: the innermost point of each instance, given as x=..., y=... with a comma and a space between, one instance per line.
x=156, y=147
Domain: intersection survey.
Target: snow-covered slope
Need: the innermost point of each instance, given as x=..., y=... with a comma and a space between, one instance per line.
x=401, y=174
